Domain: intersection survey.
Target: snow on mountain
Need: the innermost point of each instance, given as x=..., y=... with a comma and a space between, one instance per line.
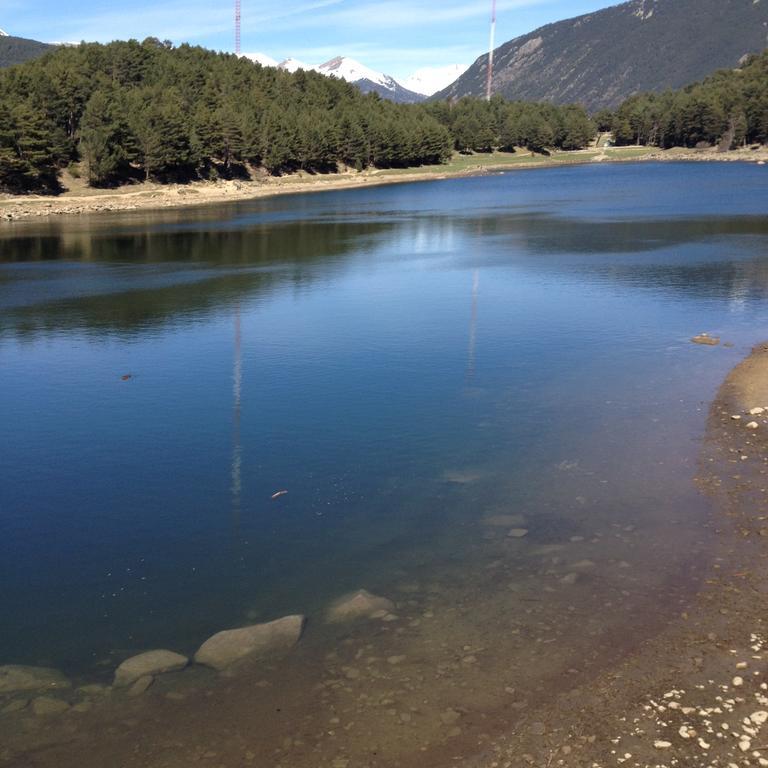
x=352, y=71
x=3, y=33
x=293, y=65
x=368, y=80
x=261, y=58
x=429, y=80
x=365, y=78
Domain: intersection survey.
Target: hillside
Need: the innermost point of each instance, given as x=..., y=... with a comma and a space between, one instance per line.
x=602, y=58
x=17, y=50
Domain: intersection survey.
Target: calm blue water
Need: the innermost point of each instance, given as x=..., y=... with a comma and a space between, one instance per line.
x=363, y=350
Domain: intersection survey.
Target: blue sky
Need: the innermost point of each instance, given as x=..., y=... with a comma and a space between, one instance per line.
x=395, y=36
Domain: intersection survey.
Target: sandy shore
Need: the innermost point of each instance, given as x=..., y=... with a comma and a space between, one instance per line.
x=79, y=199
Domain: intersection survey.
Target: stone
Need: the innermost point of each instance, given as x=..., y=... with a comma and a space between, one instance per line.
x=504, y=521
x=360, y=604
x=450, y=716
x=140, y=686
x=14, y=706
x=757, y=411
x=15, y=678
x=149, y=663
x=47, y=705
x=706, y=339
x=517, y=533
x=752, y=425
x=659, y=744
x=254, y=642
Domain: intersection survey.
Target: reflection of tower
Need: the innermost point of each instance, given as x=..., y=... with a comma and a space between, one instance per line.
x=237, y=382
x=473, y=325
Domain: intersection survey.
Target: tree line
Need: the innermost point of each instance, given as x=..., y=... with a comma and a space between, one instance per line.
x=728, y=109
x=129, y=111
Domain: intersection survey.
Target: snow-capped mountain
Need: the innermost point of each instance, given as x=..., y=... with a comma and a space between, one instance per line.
x=293, y=65
x=261, y=58
x=353, y=71
x=366, y=79
x=3, y=33
x=429, y=80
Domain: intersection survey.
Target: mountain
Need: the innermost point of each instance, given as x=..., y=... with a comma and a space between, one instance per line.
x=368, y=80
x=429, y=80
x=17, y=50
x=344, y=68
x=601, y=58
x=293, y=65
x=261, y=58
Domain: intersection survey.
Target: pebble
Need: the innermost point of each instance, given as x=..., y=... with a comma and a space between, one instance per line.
x=450, y=716
x=757, y=411
x=738, y=681
x=518, y=533
x=753, y=425
x=538, y=729
x=659, y=744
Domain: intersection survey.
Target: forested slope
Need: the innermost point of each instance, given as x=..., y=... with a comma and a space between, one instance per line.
x=730, y=109
x=130, y=111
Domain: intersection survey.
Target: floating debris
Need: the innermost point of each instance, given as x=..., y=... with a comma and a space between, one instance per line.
x=278, y=494
x=126, y=377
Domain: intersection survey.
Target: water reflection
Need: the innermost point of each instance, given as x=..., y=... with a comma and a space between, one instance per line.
x=364, y=384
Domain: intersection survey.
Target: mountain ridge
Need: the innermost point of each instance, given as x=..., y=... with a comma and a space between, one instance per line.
x=17, y=50
x=601, y=58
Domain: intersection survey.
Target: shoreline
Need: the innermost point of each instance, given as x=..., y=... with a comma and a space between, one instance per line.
x=665, y=702
x=696, y=694
x=152, y=196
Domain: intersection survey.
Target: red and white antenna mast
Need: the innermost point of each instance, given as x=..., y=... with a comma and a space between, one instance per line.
x=491, y=45
x=237, y=26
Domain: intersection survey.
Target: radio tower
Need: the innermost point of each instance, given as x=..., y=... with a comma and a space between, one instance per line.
x=490, y=53
x=237, y=26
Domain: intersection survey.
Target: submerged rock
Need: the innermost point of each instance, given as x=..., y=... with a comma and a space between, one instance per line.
x=518, y=533
x=360, y=604
x=14, y=677
x=232, y=645
x=149, y=663
x=706, y=339
x=141, y=685
x=47, y=705
x=505, y=521
x=14, y=706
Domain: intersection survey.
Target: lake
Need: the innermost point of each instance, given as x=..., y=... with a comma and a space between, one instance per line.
x=408, y=362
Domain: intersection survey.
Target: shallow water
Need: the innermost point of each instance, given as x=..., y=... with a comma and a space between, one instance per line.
x=404, y=361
